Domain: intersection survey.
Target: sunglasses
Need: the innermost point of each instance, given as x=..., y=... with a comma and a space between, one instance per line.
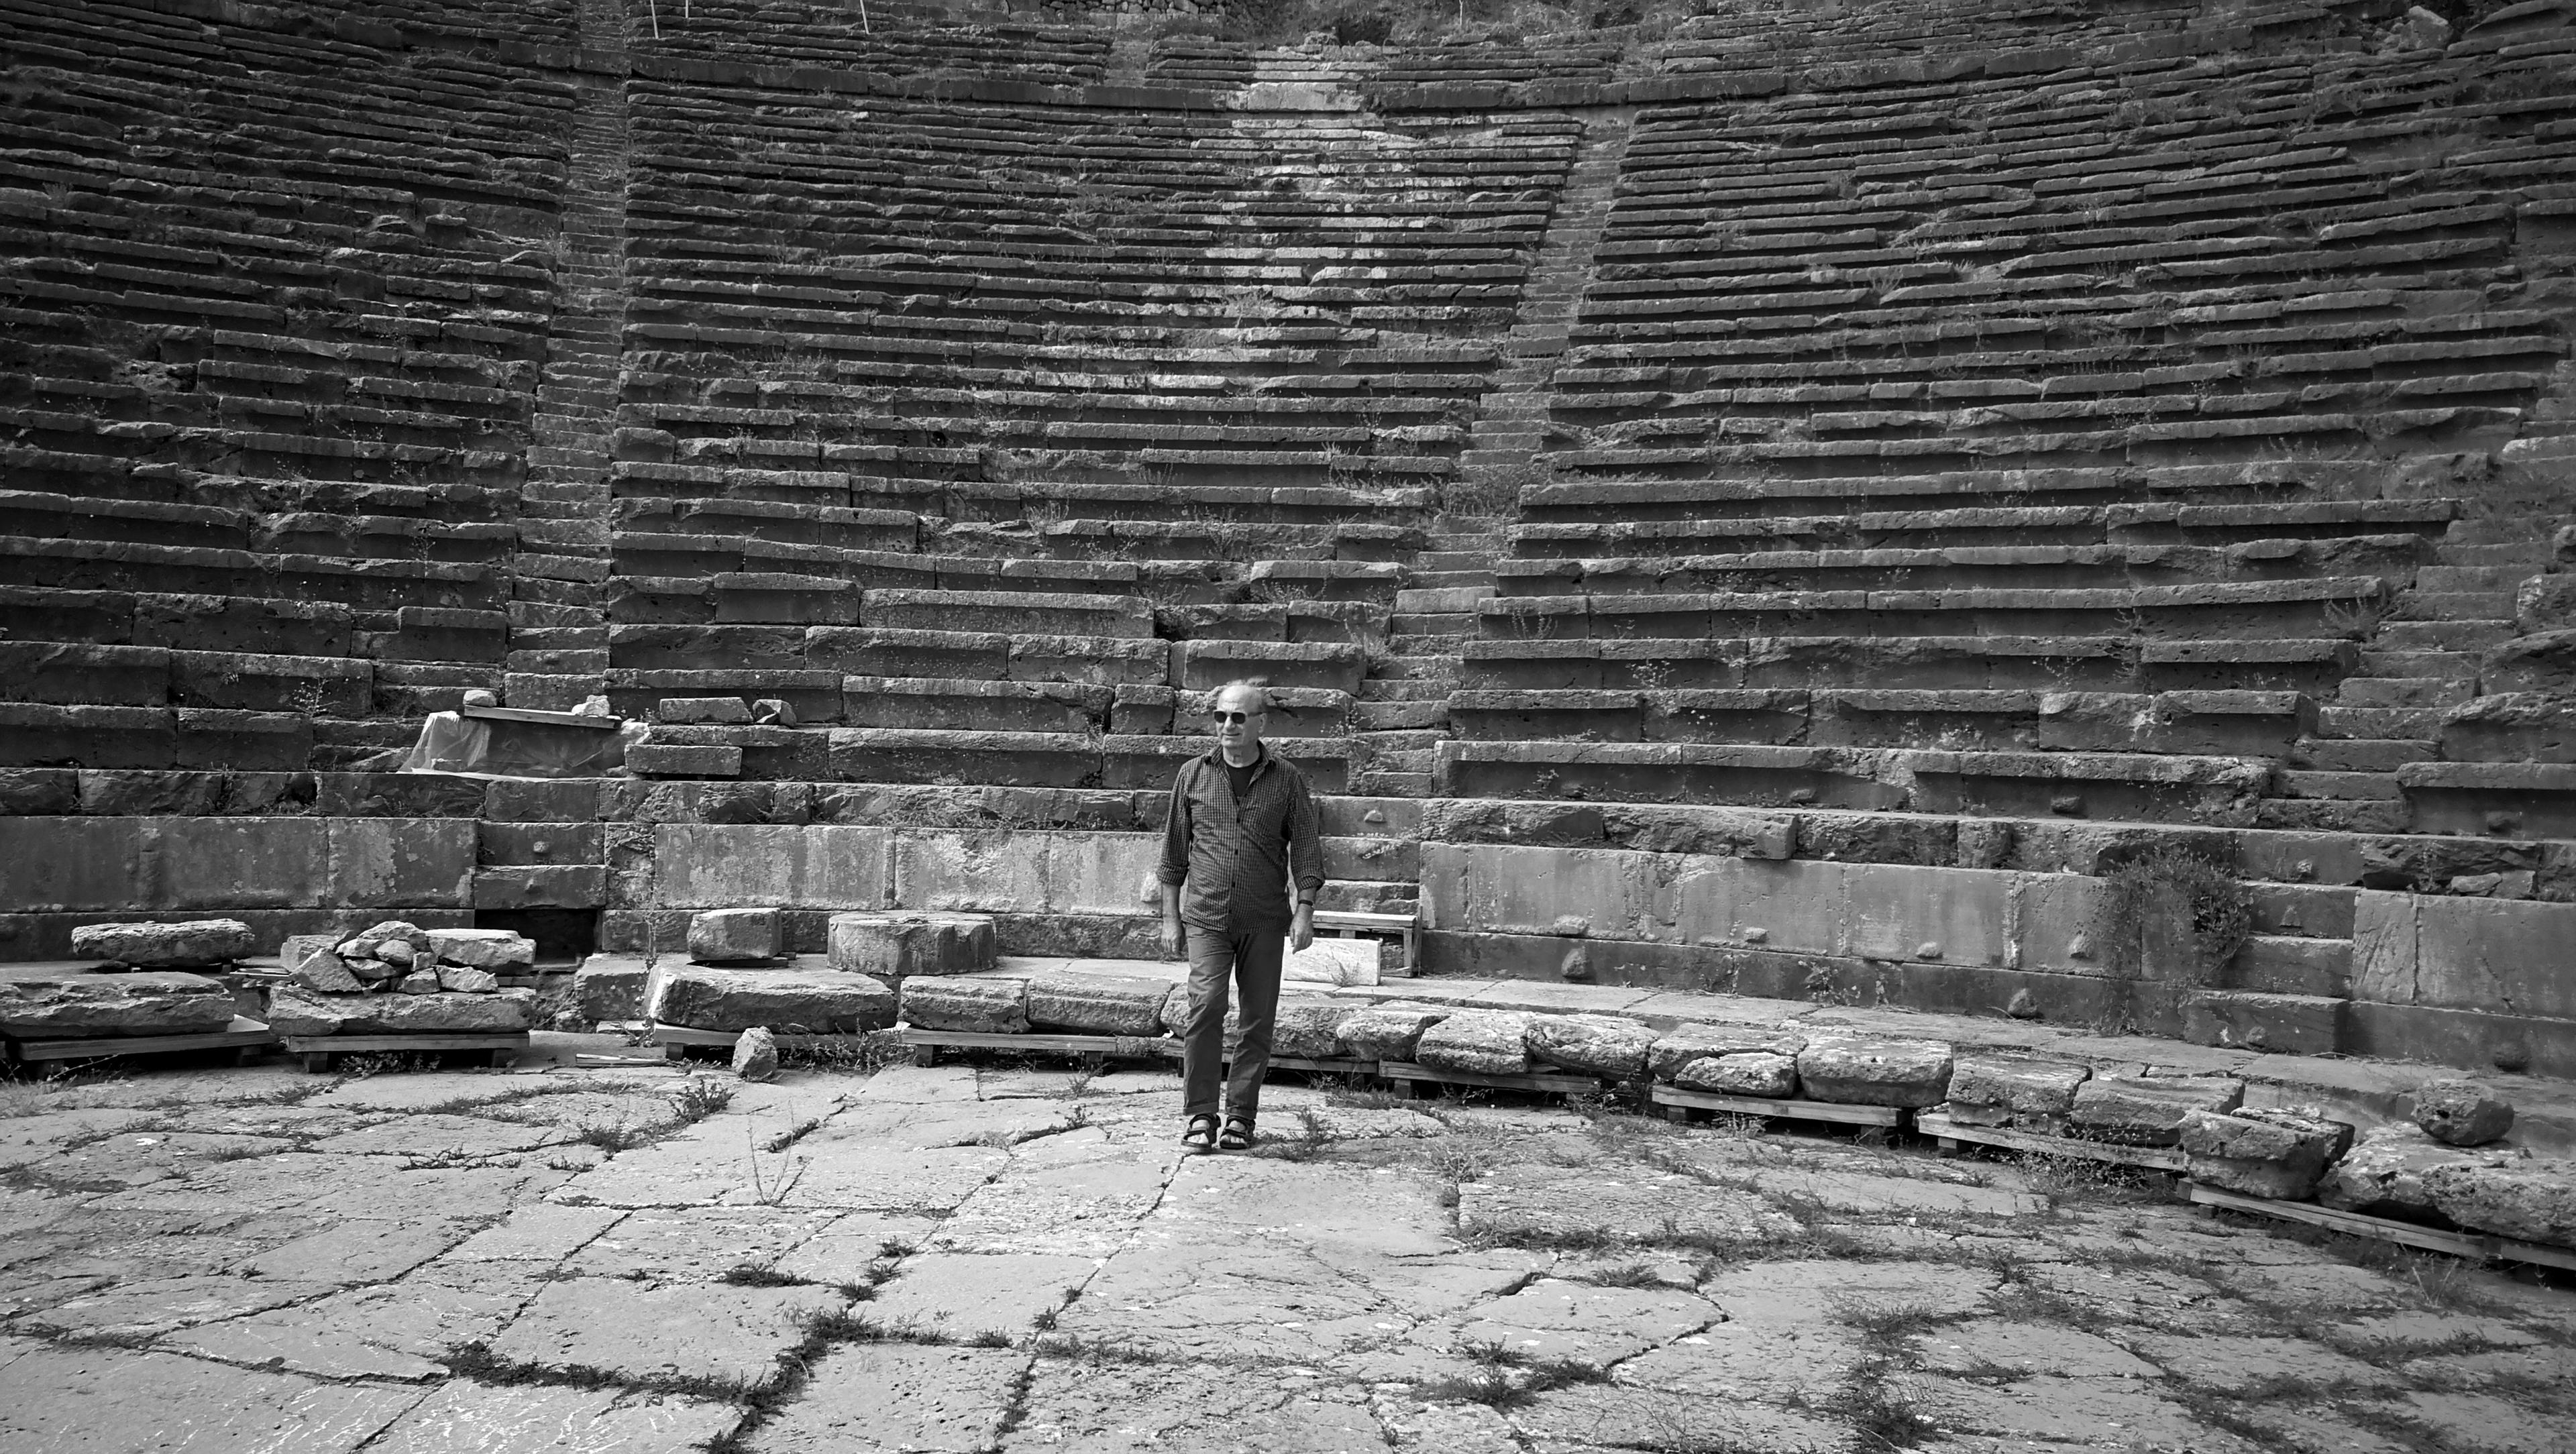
x=1234, y=716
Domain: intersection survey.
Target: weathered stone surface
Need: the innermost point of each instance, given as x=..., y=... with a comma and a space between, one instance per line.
x=327, y=974
x=693, y=1330
x=729, y=936
x=2023, y=1088
x=1593, y=1044
x=897, y=1396
x=2271, y=1153
x=610, y=987
x=1677, y=1048
x=467, y=981
x=2383, y=1174
x=1390, y=1031
x=295, y=1011
x=538, y=1419
x=166, y=946
x=755, y=1054
x=419, y=982
x=977, y=1006
x=393, y=940
x=63, y=1004
x=2461, y=1112
x=137, y=1400
x=1745, y=1073
x=1097, y=1004
x=900, y=943
x=1875, y=1072
x=2534, y=1201
x=1485, y=1042
x=1309, y=1029
x=373, y=971
x=965, y=1295
x=807, y=1001
x=498, y=950
x=2148, y=1110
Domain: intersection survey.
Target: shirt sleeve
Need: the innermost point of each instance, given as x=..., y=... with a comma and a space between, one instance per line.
x=1305, y=840
x=1174, y=866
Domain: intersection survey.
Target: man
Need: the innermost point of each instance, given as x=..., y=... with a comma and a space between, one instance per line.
x=1240, y=820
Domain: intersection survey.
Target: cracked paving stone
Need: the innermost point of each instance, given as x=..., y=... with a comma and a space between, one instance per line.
x=425, y=1090
x=686, y=1331
x=148, y=1158
x=372, y=1188
x=433, y=1135
x=1783, y=1337
x=1595, y=1326
x=1861, y=1194
x=2149, y=1296
x=33, y=1138
x=1984, y=1346
x=851, y=1242
x=862, y=1176
x=1444, y=1427
x=1077, y=1199
x=2396, y=1335
x=356, y=1252
x=107, y=1401
x=2241, y=1365
x=960, y=1295
x=2318, y=1287
x=399, y=1331
x=1640, y=1204
x=2477, y=1422
x=1076, y=1407
x=162, y=1305
x=935, y=1125
x=1220, y=1297
x=866, y=1397
x=2117, y=1413
x=468, y=1416
x=695, y=1244
x=1593, y=1415
x=2546, y=1368
x=1349, y=1208
x=540, y=1233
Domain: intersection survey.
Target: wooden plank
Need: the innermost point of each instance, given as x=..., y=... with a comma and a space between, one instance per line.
x=2151, y=1158
x=243, y=1033
x=1551, y=1084
x=2458, y=1244
x=1126, y=1045
x=551, y=719
x=1359, y=919
x=342, y=1044
x=2508, y=1248
x=724, y=1039
x=1671, y=1095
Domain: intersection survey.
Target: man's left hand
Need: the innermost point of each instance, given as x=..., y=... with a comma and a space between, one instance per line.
x=1301, y=933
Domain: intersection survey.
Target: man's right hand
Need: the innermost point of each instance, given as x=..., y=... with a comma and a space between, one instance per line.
x=1172, y=938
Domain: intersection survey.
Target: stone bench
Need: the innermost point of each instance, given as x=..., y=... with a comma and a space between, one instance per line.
x=1052, y=760
x=992, y=656
x=2250, y=609
x=1964, y=566
x=2204, y=723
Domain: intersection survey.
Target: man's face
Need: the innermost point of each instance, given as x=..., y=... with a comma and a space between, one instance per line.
x=1239, y=717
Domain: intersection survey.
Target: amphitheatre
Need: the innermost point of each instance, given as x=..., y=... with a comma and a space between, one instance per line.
x=1937, y=642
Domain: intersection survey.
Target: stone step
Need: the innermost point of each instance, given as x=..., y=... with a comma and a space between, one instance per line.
x=2417, y=723
x=1390, y=689
x=2529, y=559
x=1451, y=600
x=2461, y=605
x=2350, y=786
x=1440, y=667
x=2362, y=754
x=1386, y=784
x=2458, y=665
x=1446, y=647
x=1419, y=714
x=2433, y=579
x=2331, y=815
x=2444, y=635
x=2292, y=965
x=2404, y=692
x=1458, y=624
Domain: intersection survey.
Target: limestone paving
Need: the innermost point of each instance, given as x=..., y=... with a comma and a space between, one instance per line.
x=1012, y=1256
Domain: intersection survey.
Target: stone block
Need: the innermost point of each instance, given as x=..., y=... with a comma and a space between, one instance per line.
x=326, y=973
x=1875, y=1072
x=413, y=863
x=2149, y=1110
x=2276, y=1154
x=699, y=760
x=2021, y=1087
x=422, y=981
x=1097, y=1004
x=1485, y=1042
x=610, y=987
x=970, y=1005
x=541, y=886
x=806, y=866
x=1592, y=1044
x=2383, y=1175
x=296, y=1011
x=804, y=1001
x=2529, y=1200
x=2459, y=1112
x=1391, y=1031
x=2281, y=1024
x=51, y=1003
x=725, y=936
x=1307, y=1028
x=1744, y=1073
x=895, y=944
x=186, y=944
x=2481, y=953
x=755, y=1054
x=242, y=863
x=708, y=711
x=1670, y=1052
x=458, y=979
x=502, y=951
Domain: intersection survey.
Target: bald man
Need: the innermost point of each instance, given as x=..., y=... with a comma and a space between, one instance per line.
x=1241, y=866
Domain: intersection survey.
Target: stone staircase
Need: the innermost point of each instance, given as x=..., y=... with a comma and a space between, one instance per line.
x=558, y=628
x=2419, y=663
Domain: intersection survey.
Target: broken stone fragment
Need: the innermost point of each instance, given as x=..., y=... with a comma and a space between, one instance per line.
x=374, y=970
x=1390, y=1031
x=1097, y=1004
x=188, y=943
x=2529, y=1200
x=293, y=1010
x=2461, y=1112
x=402, y=954
x=498, y=950
x=1483, y=1042
x=1679, y=1047
x=2017, y=1086
x=897, y=944
x=418, y=982
x=1307, y=1029
x=755, y=1054
x=971, y=1005
x=2383, y=1174
x=732, y=936
x=2148, y=1110
x=1743, y=1073
x=2271, y=1153
x=1592, y=1044
x=465, y=981
x=813, y=1001
x=48, y=1003
x=1875, y=1072
x=608, y=987
x=327, y=974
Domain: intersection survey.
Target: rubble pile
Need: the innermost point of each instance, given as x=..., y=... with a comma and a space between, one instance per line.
x=397, y=978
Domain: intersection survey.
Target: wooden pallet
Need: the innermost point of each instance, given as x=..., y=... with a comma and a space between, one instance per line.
x=1685, y=1105
x=1414, y=1079
x=1355, y=924
x=320, y=1051
x=678, y=1040
x=245, y=1037
x=1951, y=1134
x=1093, y=1050
x=2476, y=1246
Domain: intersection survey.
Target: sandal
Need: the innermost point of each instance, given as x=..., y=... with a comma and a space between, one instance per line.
x=1238, y=1134
x=1199, y=1138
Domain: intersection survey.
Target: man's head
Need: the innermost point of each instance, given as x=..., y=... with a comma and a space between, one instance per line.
x=1241, y=710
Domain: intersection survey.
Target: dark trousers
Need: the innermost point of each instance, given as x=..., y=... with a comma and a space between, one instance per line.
x=1251, y=960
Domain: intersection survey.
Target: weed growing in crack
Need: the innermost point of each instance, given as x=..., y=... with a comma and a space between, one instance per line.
x=755, y=1274
x=1504, y=1377
x=1310, y=1141
x=2079, y=1180
x=1627, y=1274
x=613, y=1136
x=1097, y=1352
x=771, y=1188
x=477, y=1361
x=700, y=1097
x=1350, y=1092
